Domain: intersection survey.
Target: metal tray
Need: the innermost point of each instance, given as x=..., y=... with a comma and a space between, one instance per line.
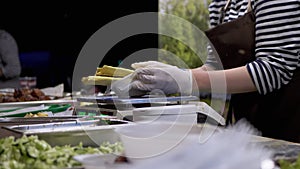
x=141, y=100
x=34, y=103
x=89, y=132
x=67, y=109
x=20, y=120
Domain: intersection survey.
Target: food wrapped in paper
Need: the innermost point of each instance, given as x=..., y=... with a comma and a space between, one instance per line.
x=98, y=80
x=106, y=75
x=112, y=71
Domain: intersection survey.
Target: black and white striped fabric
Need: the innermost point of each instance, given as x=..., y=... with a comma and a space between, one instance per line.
x=277, y=39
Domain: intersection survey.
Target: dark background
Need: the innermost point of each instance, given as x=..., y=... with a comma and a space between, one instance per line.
x=51, y=34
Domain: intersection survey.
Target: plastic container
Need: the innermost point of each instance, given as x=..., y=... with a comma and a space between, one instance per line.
x=164, y=113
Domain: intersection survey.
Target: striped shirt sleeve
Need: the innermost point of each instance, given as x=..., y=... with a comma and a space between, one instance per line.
x=277, y=44
x=277, y=49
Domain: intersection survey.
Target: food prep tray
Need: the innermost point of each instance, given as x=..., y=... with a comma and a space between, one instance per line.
x=283, y=150
x=23, y=120
x=89, y=132
x=140, y=100
x=33, y=103
x=21, y=112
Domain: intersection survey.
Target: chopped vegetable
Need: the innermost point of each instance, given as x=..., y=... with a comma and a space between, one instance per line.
x=28, y=152
x=288, y=164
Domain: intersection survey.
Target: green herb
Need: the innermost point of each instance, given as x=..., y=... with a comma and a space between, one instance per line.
x=28, y=152
x=287, y=164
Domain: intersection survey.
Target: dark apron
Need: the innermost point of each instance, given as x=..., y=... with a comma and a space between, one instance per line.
x=277, y=114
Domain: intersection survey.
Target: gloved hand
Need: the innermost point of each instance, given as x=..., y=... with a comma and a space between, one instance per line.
x=156, y=76
x=123, y=88
x=149, y=64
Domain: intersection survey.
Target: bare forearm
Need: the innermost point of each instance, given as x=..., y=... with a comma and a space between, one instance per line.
x=205, y=67
x=235, y=80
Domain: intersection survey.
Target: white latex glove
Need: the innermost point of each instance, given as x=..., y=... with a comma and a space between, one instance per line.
x=149, y=64
x=156, y=76
x=123, y=88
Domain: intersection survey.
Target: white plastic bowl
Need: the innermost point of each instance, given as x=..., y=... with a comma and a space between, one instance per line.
x=144, y=142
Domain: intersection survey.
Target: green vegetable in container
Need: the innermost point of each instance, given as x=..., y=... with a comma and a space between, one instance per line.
x=289, y=164
x=28, y=152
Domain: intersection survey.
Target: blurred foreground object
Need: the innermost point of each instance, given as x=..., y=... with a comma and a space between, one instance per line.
x=228, y=149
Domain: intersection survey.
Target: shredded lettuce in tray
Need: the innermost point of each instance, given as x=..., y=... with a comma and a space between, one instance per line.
x=28, y=152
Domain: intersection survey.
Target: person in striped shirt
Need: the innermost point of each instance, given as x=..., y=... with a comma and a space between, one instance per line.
x=277, y=42
x=274, y=73
x=273, y=76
